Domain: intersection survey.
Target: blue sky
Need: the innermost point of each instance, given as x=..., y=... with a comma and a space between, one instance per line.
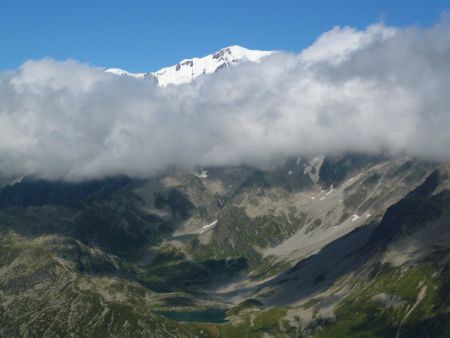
x=147, y=35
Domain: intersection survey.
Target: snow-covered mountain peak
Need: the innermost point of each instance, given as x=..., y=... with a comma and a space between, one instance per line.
x=189, y=69
x=240, y=53
x=121, y=72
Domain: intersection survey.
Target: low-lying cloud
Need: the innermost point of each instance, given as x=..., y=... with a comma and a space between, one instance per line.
x=383, y=89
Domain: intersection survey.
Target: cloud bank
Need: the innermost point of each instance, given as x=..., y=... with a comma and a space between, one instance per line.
x=382, y=89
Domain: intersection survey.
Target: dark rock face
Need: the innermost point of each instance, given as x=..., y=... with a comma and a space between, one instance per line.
x=335, y=169
x=418, y=207
x=219, y=54
x=188, y=63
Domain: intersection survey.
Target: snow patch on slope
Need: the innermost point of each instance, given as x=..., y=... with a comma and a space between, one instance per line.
x=208, y=227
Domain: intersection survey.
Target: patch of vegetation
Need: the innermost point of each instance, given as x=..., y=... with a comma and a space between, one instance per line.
x=361, y=316
x=314, y=225
x=310, y=303
x=166, y=254
x=174, y=201
x=237, y=235
x=245, y=305
x=257, y=324
x=31, y=192
x=186, y=274
x=116, y=227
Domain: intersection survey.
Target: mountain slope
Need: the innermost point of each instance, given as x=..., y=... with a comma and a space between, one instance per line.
x=287, y=252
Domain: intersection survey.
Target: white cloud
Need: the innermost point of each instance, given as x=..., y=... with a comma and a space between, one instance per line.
x=381, y=89
x=339, y=44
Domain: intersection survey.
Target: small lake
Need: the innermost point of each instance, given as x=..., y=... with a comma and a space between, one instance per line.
x=204, y=316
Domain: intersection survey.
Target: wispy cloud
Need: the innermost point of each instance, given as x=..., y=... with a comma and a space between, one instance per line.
x=383, y=89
